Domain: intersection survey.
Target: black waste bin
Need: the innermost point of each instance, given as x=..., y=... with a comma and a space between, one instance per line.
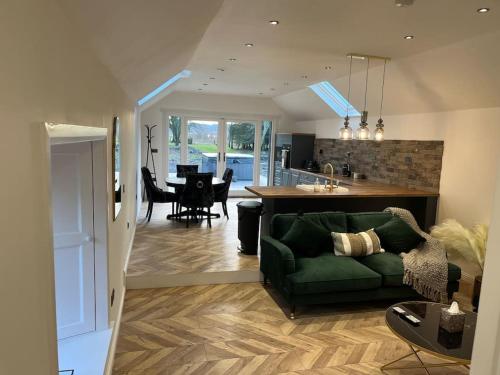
x=249, y=213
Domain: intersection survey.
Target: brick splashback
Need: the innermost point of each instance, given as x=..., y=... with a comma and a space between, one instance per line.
x=413, y=164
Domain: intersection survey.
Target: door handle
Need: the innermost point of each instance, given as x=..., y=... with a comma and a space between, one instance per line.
x=224, y=157
x=88, y=238
x=218, y=157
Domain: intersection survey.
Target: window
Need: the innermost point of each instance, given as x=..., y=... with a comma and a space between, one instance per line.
x=334, y=99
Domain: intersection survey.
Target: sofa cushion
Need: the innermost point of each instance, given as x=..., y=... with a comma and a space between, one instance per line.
x=390, y=267
x=361, y=222
x=331, y=221
x=328, y=273
x=305, y=238
x=356, y=244
x=397, y=236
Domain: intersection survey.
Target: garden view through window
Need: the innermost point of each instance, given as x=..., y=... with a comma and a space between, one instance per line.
x=214, y=145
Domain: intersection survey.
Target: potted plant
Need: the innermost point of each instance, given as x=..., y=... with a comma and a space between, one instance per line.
x=469, y=244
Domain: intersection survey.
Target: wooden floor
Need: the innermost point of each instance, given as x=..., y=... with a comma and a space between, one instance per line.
x=167, y=247
x=237, y=328
x=243, y=329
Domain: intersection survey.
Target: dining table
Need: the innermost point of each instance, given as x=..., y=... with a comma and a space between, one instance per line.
x=178, y=183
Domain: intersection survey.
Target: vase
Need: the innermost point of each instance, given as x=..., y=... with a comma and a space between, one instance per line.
x=476, y=292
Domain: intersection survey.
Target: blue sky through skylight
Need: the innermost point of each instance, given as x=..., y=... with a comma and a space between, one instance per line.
x=163, y=86
x=331, y=96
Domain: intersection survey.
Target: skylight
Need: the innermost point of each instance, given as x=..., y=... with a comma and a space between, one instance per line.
x=163, y=86
x=334, y=99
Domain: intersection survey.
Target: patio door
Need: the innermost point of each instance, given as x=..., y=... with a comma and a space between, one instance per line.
x=240, y=153
x=216, y=144
x=248, y=152
x=203, y=145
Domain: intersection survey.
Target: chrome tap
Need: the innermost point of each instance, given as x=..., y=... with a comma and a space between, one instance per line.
x=332, y=169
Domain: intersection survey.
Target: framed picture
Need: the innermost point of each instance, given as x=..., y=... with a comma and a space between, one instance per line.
x=116, y=163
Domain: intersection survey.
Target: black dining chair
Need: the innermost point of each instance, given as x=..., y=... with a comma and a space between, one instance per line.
x=155, y=194
x=183, y=169
x=222, y=190
x=198, y=194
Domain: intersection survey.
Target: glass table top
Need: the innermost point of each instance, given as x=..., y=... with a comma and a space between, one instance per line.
x=428, y=336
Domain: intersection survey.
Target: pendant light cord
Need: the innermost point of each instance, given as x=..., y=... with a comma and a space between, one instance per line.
x=382, y=96
x=366, y=84
x=349, y=88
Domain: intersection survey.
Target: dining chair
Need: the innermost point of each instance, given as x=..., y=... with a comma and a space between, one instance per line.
x=183, y=169
x=198, y=194
x=155, y=194
x=222, y=190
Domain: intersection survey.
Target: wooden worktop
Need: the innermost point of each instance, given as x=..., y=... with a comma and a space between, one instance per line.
x=359, y=188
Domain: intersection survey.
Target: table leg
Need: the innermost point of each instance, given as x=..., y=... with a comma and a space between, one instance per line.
x=201, y=213
x=424, y=366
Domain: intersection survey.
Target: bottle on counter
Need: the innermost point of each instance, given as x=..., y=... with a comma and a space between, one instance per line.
x=317, y=185
x=346, y=168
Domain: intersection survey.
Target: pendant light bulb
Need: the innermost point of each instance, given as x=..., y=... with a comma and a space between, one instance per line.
x=379, y=132
x=363, y=132
x=345, y=132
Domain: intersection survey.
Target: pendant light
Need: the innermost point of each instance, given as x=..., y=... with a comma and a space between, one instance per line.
x=363, y=133
x=345, y=132
x=379, y=132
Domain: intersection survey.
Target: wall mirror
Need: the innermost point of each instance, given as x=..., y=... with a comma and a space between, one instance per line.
x=116, y=162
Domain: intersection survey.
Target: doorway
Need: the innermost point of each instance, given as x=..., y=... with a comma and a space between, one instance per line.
x=215, y=144
x=78, y=174
x=74, y=238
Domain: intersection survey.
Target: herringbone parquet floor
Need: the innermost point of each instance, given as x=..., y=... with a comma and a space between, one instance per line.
x=167, y=247
x=241, y=329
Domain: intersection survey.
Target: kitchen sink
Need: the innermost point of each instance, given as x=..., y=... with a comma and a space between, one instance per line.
x=339, y=189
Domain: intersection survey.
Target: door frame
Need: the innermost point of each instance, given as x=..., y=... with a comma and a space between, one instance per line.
x=67, y=134
x=221, y=117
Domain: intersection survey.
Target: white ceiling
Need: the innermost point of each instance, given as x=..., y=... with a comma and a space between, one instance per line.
x=462, y=75
x=319, y=33
x=143, y=43
x=451, y=64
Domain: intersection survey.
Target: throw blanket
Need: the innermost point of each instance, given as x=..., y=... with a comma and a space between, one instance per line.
x=426, y=267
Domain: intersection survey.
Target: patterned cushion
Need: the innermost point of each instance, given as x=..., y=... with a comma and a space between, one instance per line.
x=356, y=244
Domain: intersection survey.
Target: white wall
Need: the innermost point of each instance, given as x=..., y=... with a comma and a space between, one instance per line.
x=47, y=73
x=486, y=353
x=216, y=103
x=470, y=159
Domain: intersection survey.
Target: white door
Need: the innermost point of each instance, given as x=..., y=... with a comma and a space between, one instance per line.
x=72, y=202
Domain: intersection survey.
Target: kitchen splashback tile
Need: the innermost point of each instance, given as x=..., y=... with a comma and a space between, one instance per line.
x=413, y=164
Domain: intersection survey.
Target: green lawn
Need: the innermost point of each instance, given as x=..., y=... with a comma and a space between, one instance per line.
x=204, y=147
x=213, y=148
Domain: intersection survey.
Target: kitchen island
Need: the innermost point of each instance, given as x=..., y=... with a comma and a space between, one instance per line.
x=352, y=196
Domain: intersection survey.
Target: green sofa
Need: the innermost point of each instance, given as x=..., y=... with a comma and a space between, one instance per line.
x=334, y=279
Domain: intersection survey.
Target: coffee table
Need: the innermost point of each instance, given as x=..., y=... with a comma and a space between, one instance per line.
x=429, y=338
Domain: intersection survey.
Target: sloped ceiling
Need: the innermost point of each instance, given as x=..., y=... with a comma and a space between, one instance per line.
x=315, y=34
x=453, y=62
x=462, y=75
x=143, y=43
